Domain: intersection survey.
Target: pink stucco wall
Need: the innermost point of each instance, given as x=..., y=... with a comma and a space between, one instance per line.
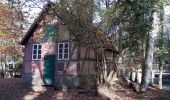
x=28, y=58
x=35, y=68
x=30, y=65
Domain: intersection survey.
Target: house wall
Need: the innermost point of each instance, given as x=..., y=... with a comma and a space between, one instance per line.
x=27, y=69
x=68, y=77
x=87, y=61
x=33, y=70
x=82, y=60
x=63, y=34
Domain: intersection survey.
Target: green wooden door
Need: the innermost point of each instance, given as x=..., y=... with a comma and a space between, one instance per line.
x=49, y=69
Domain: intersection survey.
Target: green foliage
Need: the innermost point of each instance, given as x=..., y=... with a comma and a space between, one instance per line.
x=133, y=21
x=131, y=14
x=18, y=67
x=82, y=9
x=161, y=56
x=161, y=36
x=132, y=59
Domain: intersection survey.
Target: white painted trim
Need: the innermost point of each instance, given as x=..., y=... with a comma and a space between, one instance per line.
x=36, y=51
x=63, y=51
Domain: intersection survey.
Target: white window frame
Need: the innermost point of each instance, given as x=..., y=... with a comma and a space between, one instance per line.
x=63, y=51
x=36, y=52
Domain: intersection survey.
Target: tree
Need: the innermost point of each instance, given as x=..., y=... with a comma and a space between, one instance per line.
x=134, y=20
x=147, y=68
x=11, y=31
x=161, y=40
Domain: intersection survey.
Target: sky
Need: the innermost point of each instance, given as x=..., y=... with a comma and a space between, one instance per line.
x=31, y=11
x=167, y=10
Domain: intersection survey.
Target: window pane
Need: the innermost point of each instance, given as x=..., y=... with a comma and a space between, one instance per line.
x=34, y=57
x=34, y=47
x=60, y=50
x=39, y=56
x=63, y=51
x=66, y=51
x=65, y=56
x=34, y=52
x=60, y=56
x=66, y=45
x=60, y=66
x=39, y=46
x=39, y=52
x=60, y=45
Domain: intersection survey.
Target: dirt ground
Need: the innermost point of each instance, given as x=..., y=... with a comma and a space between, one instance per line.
x=13, y=89
x=125, y=92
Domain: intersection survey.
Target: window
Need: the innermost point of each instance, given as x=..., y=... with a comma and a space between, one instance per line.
x=60, y=66
x=36, y=53
x=50, y=33
x=63, y=51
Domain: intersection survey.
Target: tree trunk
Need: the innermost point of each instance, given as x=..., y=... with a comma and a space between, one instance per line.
x=147, y=68
x=136, y=76
x=160, y=77
x=162, y=57
x=105, y=69
x=153, y=76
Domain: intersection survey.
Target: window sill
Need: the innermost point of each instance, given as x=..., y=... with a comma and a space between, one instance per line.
x=37, y=60
x=62, y=59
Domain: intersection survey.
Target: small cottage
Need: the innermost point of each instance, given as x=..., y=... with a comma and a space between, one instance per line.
x=53, y=57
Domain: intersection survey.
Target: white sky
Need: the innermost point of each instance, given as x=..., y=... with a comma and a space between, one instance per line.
x=32, y=10
x=167, y=10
